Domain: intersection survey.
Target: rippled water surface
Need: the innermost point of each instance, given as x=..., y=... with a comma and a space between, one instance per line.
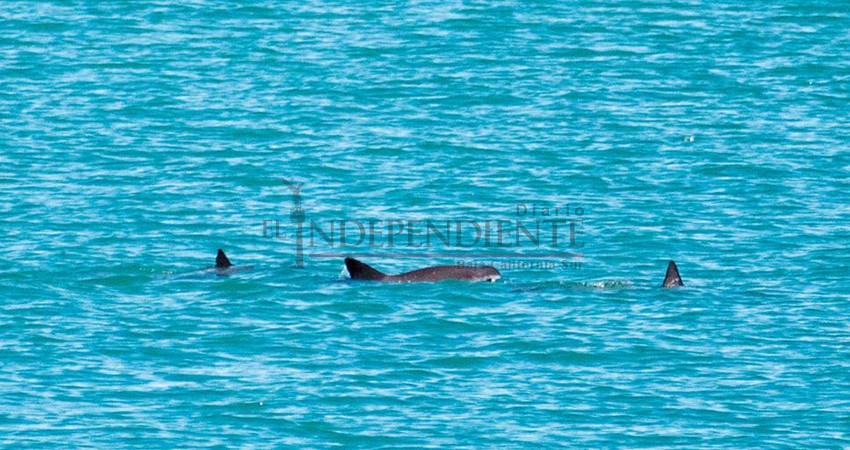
x=136, y=138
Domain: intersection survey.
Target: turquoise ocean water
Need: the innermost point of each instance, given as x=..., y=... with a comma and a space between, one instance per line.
x=136, y=138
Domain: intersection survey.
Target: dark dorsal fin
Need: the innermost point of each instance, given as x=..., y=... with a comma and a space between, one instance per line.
x=672, y=278
x=362, y=271
x=221, y=261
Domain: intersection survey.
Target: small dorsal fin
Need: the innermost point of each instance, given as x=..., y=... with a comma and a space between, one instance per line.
x=362, y=271
x=672, y=278
x=221, y=261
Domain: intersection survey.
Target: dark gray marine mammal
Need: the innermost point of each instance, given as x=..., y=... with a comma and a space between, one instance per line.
x=362, y=271
x=672, y=278
x=223, y=266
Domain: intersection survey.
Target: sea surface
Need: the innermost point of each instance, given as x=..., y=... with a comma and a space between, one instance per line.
x=137, y=138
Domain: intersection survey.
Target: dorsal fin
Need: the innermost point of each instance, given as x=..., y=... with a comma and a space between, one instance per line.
x=672, y=278
x=362, y=271
x=221, y=261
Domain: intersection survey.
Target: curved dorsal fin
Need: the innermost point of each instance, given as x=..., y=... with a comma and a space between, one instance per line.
x=362, y=271
x=672, y=278
x=221, y=261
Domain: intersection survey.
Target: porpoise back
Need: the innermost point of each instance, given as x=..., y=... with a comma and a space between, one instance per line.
x=672, y=278
x=223, y=266
x=362, y=271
